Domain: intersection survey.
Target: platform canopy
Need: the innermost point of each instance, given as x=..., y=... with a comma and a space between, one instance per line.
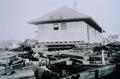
x=65, y=14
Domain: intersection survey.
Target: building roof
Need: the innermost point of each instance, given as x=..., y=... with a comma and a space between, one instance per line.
x=65, y=14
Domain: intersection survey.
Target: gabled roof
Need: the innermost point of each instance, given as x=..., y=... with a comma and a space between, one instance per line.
x=65, y=14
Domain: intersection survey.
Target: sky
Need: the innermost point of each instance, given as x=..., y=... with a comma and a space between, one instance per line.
x=15, y=14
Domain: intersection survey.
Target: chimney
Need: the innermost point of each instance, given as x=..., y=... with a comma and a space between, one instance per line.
x=75, y=5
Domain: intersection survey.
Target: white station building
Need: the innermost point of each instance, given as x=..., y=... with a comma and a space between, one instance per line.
x=67, y=25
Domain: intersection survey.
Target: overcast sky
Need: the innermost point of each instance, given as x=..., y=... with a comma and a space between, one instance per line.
x=14, y=15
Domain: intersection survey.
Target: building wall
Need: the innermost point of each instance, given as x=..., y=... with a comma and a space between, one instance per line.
x=113, y=38
x=94, y=35
x=75, y=31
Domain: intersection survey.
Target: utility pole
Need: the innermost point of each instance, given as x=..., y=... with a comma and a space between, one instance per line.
x=103, y=57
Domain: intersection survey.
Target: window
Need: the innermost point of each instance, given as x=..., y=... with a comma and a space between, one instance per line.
x=63, y=26
x=56, y=26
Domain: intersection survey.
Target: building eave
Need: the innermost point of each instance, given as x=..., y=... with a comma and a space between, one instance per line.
x=89, y=21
